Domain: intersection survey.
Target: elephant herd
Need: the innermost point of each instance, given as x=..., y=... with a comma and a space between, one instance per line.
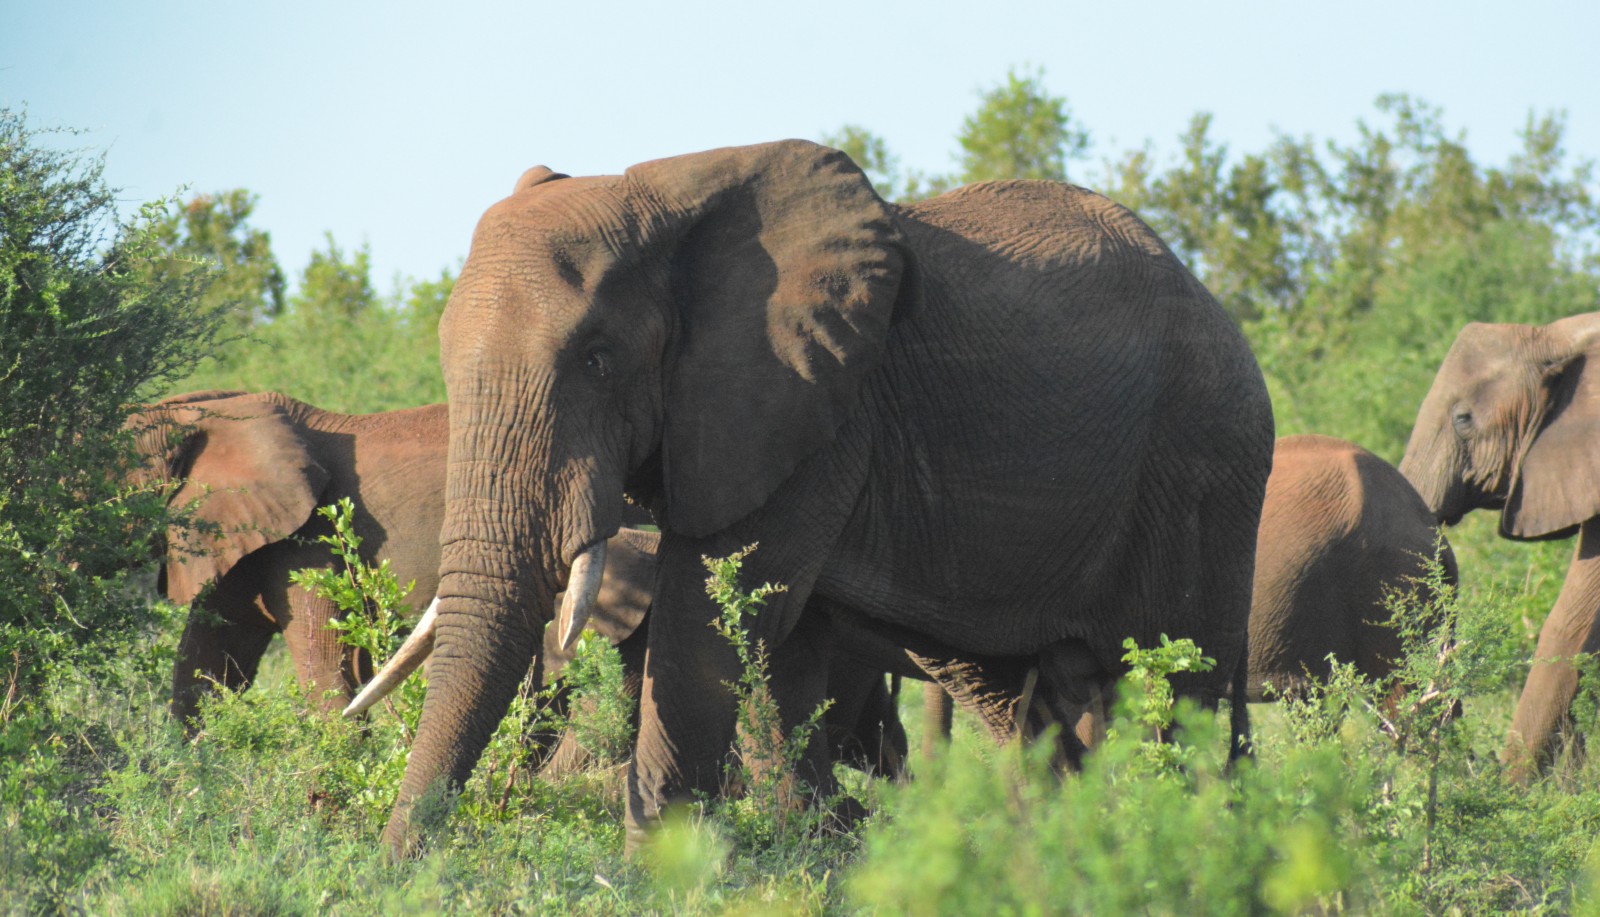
x=980, y=439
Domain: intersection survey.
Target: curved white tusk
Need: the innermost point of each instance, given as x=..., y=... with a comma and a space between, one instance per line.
x=583, y=588
x=405, y=660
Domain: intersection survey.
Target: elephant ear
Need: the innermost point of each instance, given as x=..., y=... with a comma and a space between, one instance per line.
x=255, y=482
x=787, y=269
x=1557, y=483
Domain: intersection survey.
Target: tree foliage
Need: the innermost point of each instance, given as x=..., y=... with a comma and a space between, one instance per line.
x=1019, y=131
x=88, y=326
x=213, y=229
x=335, y=287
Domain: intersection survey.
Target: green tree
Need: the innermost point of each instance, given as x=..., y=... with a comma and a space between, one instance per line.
x=88, y=326
x=335, y=288
x=1019, y=131
x=422, y=302
x=214, y=229
x=1221, y=220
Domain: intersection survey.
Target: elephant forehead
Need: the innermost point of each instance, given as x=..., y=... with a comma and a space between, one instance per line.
x=1486, y=348
x=573, y=210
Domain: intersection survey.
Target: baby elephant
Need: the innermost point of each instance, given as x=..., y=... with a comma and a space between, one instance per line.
x=1340, y=529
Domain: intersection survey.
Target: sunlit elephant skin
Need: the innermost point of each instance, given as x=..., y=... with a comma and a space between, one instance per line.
x=1006, y=421
x=259, y=465
x=1341, y=529
x=1512, y=423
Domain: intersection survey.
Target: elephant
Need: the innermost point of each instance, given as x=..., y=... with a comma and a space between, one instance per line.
x=1003, y=424
x=1511, y=423
x=1341, y=530
x=261, y=463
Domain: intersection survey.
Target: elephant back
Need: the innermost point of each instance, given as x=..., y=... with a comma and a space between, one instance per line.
x=1341, y=531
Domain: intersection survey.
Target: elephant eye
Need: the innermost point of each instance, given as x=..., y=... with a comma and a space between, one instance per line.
x=1462, y=421
x=598, y=362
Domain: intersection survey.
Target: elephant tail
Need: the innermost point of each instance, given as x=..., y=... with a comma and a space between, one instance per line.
x=1239, y=745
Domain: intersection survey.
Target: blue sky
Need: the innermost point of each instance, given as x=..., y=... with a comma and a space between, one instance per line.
x=397, y=123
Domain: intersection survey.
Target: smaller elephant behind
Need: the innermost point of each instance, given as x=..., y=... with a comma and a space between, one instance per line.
x=258, y=465
x=1341, y=529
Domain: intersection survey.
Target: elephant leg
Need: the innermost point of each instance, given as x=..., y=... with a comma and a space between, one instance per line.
x=326, y=668
x=214, y=651
x=938, y=716
x=798, y=679
x=863, y=725
x=1070, y=695
x=1546, y=701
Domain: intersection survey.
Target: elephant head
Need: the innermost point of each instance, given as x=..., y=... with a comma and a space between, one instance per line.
x=244, y=467
x=687, y=332
x=1510, y=423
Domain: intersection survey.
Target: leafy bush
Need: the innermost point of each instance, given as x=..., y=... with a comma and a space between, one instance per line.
x=86, y=330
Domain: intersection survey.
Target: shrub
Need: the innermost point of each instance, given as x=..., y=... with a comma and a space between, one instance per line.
x=86, y=329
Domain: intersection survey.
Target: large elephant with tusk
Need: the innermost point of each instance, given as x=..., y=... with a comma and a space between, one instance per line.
x=1003, y=423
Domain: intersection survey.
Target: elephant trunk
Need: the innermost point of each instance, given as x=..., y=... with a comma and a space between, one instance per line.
x=500, y=566
x=485, y=642
x=1434, y=465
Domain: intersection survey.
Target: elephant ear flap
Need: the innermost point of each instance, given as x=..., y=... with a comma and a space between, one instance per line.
x=253, y=482
x=787, y=270
x=1557, y=483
